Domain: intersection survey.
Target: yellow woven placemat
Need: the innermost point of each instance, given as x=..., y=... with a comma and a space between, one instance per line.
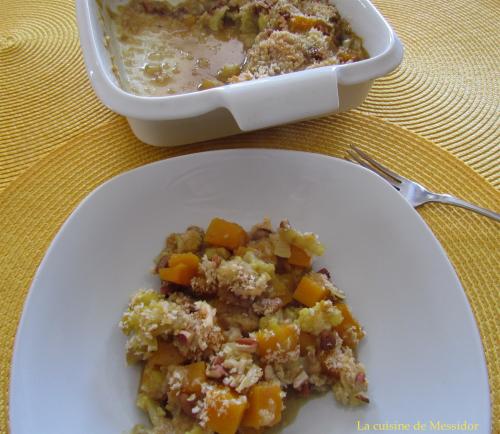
x=37, y=203
x=57, y=142
x=446, y=89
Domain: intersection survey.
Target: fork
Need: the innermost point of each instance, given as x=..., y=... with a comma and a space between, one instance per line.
x=413, y=192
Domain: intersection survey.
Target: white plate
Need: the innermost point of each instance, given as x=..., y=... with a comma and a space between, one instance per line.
x=423, y=352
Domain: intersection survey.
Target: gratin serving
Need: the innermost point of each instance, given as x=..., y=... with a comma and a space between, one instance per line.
x=241, y=321
x=169, y=49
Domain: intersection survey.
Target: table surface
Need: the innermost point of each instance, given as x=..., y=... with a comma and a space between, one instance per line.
x=435, y=118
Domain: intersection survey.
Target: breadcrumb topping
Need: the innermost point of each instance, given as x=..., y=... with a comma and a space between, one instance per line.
x=281, y=52
x=149, y=317
x=243, y=278
x=240, y=278
x=241, y=371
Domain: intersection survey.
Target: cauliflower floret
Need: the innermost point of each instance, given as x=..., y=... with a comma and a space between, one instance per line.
x=142, y=299
x=285, y=315
x=287, y=236
x=307, y=240
x=322, y=316
x=241, y=279
x=152, y=408
x=149, y=316
x=287, y=372
x=246, y=277
x=258, y=265
x=153, y=382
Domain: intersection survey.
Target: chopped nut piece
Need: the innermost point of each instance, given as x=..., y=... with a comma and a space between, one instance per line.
x=299, y=380
x=326, y=340
x=216, y=371
x=248, y=345
x=363, y=398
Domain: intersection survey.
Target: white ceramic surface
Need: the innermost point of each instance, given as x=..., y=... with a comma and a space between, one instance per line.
x=423, y=353
x=179, y=119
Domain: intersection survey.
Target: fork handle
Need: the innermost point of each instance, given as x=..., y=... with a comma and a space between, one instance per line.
x=452, y=200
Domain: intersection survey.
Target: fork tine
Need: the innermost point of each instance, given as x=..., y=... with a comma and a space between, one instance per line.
x=379, y=166
x=355, y=159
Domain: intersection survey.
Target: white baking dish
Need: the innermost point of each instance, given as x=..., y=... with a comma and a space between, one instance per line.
x=232, y=109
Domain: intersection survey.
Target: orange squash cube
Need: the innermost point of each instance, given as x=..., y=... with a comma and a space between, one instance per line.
x=166, y=354
x=306, y=340
x=180, y=274
x=302, y=24
x=182, y=267
x=195, y=377
x=281, y=339
x=225, y=234
x=264, y=406
x=309, y=292
x=299, y=257
x=349, y=322
x=189, y=259
x=225, y=410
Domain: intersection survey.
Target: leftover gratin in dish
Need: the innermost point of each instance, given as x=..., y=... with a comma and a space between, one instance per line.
x=169, y=48
x=242, y=323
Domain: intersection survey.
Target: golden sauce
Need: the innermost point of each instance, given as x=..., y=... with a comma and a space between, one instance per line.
x=294, y=402
x=165, y=59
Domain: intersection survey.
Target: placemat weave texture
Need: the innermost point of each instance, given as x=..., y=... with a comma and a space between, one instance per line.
x=446, y=89
x=35, y=206
x=435, y=119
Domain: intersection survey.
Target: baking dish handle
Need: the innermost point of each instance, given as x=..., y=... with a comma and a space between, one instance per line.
x=286, y=98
